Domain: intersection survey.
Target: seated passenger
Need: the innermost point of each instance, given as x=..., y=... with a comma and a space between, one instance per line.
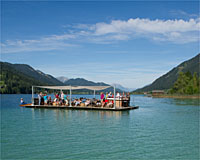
x=83, y=100
x=56, y=101
x=110, y=104
x=22, y=101
x=77, y=102
x=49, y=101
x=110, y=95
x=98, y=103
x=87, y=103
x=118, y=95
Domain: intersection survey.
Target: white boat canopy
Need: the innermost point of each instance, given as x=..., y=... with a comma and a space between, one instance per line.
x=97, y=88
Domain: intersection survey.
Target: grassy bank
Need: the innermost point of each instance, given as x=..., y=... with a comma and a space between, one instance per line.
x=195, y=96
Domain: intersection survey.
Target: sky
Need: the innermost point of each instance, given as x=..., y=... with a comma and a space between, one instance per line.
x=129, y=43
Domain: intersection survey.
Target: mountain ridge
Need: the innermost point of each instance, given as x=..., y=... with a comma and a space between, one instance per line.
x=31, y=72
x=62, y=79
x=19, y=78
x=167, y=80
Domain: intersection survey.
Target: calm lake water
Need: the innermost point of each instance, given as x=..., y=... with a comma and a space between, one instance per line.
x=159, y=129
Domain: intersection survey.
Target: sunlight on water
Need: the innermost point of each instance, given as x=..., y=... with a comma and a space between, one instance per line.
x=159, y=129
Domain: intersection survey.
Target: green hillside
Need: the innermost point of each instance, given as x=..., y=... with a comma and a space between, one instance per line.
x=36, y=74
x=13, y=81
x=19, y=78
x=167, y=81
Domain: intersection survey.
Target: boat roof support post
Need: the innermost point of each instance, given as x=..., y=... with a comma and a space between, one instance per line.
x=32, y=95
x=114, y=98
x=70, y=100
x=94, y=93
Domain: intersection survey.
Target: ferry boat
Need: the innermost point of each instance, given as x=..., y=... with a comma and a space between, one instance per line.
x=114, y=103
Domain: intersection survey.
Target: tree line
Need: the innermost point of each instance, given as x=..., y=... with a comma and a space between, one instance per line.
x=186, y=83
x=14, y=83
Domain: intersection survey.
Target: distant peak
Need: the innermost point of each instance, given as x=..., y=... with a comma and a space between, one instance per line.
x=62, y=79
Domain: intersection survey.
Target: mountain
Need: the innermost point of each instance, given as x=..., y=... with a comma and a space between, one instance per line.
x=119, y=86
x=36, y=74
x=19, y=78
x=83, y=82
x=167, y=80
x=14, y=81
x=62, y=79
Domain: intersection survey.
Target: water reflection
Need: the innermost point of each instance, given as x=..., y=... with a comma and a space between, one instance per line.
x=186, y=102
x=67, y=114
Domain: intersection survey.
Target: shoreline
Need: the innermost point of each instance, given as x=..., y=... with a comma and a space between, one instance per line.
x=177, y=96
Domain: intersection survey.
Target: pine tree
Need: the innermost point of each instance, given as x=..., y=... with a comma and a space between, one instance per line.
x=186, y=84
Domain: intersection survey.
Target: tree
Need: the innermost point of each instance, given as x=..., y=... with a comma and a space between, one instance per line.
x=186, y=84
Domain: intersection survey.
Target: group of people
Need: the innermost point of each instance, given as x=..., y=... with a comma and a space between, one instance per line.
x=62, y=99
x=86, y=102
x=108, y=98
x=59, y=99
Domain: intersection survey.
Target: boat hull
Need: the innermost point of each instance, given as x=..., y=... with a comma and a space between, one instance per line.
x=81, y=108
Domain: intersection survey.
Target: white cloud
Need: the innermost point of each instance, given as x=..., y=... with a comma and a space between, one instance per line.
x=181, y=13
x=53, y=42
x=174, y=31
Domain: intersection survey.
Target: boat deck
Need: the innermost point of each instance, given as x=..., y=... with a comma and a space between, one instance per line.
x=82, y=108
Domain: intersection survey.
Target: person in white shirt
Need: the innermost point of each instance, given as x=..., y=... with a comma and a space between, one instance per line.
x=118, y=95
x=87, y=102
x=110, y=95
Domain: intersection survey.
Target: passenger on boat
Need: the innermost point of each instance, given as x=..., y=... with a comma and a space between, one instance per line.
x=98, y=102
x=56, y=101
x=57, y=95
x=106, y=95
x=87, y=102
x=110, y=95
x=77, y=102
x=40, y=96
x=83, y=100
x=118, y=95
x=103, y=104
x=62, y=97
x=110, y=104
x=49, y=102
x=65, y=100
x=128, y=96
x=102, y=97
x=45, y=98
x=22, y=101
x=93, y=102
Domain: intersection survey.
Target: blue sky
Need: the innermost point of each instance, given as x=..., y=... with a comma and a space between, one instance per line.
x=130, y=43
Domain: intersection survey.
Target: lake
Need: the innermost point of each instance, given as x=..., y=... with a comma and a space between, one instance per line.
x=161, y=128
